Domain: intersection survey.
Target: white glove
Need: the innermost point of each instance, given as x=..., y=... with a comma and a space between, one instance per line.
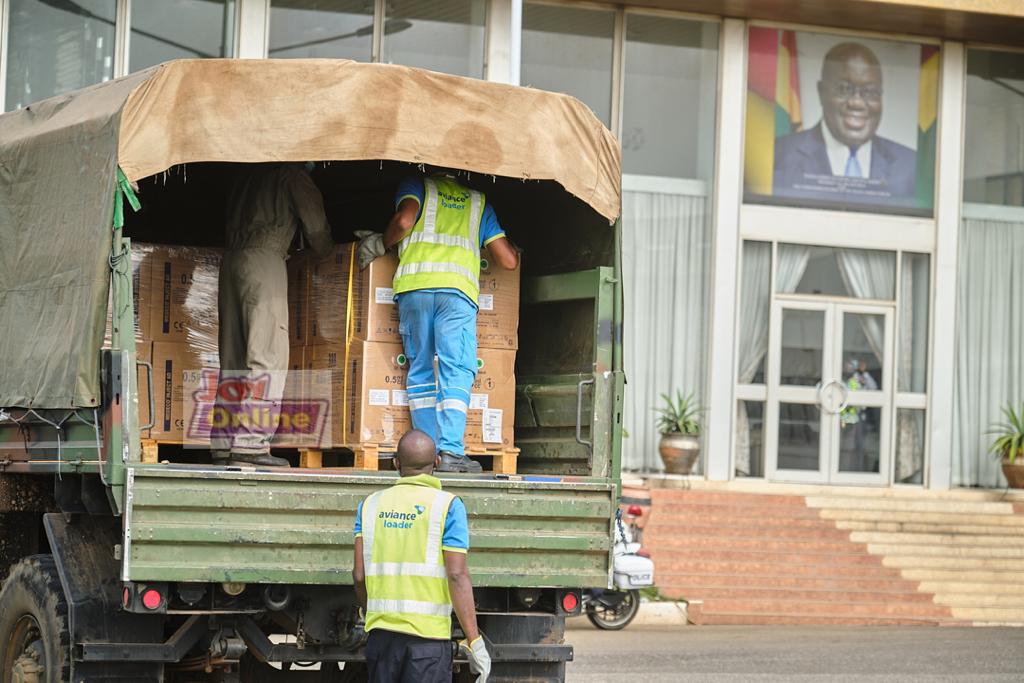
x=371, y=245
x=479, y=659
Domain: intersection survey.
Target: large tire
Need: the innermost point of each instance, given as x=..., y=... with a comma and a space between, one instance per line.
x=618, y=618
x=34, y=638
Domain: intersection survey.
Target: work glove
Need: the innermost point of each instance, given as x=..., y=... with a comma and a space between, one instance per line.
x=371, y=245
x=479, y=659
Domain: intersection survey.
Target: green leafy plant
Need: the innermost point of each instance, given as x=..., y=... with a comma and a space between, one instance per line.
x=1009, y=435
x=679, y=415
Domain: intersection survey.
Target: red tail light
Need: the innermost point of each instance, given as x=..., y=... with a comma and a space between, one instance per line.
x=635, y=511
x=570, y=602
x=151, y=599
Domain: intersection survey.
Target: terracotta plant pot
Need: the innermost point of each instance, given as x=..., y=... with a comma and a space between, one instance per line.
x=1014, y=473
x=679, y=452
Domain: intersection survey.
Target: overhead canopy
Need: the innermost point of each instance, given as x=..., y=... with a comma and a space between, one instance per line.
x=58, y=161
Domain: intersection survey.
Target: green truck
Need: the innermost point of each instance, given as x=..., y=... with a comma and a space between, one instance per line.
x=118, y=569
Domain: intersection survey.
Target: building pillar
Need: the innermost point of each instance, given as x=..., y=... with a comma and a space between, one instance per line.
x=948, y=194
x=728, y=193
x=253, y=29
x=504, y=40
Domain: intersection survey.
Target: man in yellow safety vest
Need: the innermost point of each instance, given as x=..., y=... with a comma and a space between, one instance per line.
x=440, y=227
x=410, y=571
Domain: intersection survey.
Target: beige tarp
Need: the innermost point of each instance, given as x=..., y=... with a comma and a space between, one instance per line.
x=58, y=160
x=324, y=109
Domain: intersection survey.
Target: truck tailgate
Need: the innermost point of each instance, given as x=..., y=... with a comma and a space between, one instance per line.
x=201, y=524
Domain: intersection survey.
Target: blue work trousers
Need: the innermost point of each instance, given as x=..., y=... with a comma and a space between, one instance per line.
x=439, y=323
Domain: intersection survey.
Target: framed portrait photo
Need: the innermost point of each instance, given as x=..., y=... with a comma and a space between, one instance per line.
x=840, y=122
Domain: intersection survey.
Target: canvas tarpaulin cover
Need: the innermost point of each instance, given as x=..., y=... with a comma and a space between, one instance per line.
x=58, y=162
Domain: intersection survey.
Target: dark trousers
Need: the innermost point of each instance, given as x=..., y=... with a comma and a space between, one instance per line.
x=400, y=658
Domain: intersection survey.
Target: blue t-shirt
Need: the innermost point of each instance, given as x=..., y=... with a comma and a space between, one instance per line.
x=456, y=527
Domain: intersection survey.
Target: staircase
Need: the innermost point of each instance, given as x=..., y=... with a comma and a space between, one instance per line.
x=868, y=559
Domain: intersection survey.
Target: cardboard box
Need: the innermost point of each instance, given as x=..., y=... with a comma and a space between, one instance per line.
x=373, y=302
x=185, y=283
x=298, y=299
x=492, y=408
x=328, y=296
x=178, y=370
x=142, y=294
x=497, y=321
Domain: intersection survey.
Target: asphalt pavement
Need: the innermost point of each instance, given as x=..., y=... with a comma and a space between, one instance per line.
x=657, y=654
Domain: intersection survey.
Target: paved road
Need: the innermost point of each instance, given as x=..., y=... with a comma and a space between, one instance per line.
x=762, y=653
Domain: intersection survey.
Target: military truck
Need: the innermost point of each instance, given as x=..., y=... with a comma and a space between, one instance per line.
x=174, y=570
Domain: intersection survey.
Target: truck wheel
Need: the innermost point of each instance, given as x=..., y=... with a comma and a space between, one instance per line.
x=34, y=639
x=614, y=615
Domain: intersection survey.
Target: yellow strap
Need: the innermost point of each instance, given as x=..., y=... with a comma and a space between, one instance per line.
x=348, y=336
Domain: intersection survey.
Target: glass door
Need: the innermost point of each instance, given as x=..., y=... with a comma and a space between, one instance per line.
x=829, y=392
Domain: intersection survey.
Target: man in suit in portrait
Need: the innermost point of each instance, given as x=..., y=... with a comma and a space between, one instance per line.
x=844, y=144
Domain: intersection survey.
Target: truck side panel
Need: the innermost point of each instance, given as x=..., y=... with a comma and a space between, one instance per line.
x=205, y=525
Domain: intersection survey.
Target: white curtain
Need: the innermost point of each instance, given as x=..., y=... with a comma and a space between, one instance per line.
x=989, y=344
x=754, y=309
x=869, y=275
x=666, y=246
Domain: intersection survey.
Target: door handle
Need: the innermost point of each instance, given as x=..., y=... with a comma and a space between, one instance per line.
x=821, y=396
x=579, y=414
x=149, y=382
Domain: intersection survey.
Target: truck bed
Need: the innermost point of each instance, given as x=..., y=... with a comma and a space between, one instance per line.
x=201, y=524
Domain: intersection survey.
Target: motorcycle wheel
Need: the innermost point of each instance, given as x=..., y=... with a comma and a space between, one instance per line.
x=615, y=618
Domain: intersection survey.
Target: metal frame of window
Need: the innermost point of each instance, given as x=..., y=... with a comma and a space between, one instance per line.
x=5, y=10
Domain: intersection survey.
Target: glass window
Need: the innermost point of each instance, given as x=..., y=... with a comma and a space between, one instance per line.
x=910, y=446
x=913, y=329
x=754, y=304
x=858, y=273
x=339, y=29
x=670, y=70
x=750, y=439
x=180, y=29
x=441, y=35
x=569, y=49
x=56, y=47
x=840, y=122
x=994, y=145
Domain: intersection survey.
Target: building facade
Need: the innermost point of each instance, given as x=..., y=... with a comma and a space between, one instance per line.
x=823, y=203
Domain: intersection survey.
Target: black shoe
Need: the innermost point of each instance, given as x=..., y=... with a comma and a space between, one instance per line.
x=256, y=459
x=451, y=462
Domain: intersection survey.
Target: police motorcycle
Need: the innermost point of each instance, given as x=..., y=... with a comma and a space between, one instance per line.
x=633, y=569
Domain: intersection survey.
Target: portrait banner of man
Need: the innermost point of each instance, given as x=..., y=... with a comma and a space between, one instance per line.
x=840, y=122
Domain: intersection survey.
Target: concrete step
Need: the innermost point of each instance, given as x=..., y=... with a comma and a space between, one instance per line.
x=948, y=550
x=708, y=593
x=701, y=565
x=981, y=576
x=926, y=527
x=816, y=559
x=980, y=600
x=1008, y=589
x=937, y=540
x=771, y=528
x=698, y=511
x=716, y=543
x=990, y=615
x=918, y=610
x=724, y=498
x=701, y=615
x=890, y=583
x=912, y=517
x=953, y=563
x=943, y=506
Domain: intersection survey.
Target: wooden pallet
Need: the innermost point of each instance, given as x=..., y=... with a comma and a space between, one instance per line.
x=368, y=456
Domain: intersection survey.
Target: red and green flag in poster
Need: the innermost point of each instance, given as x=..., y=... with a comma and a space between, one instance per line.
x=927, y=101
x=773, y=102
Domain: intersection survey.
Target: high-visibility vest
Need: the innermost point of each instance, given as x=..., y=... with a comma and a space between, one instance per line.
x=443, y=248
x=406, y=582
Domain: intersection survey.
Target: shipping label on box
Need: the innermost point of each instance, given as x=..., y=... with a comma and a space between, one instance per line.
x=328, y=296
x=185, y=284
x=490, y=420
x=497, y=321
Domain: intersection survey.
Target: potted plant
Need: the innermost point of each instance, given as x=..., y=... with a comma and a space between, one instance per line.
x=1009, y=445
x=680, y=432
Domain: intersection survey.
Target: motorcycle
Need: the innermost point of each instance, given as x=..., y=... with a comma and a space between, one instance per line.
x=632, y=569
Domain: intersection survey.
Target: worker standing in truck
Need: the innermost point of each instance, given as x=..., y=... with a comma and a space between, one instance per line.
x=410, y=572
x=266, y=206
x=440, y=227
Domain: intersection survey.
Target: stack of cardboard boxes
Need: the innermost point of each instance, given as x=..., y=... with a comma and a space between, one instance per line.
x=348, y=336
x=175, y=292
